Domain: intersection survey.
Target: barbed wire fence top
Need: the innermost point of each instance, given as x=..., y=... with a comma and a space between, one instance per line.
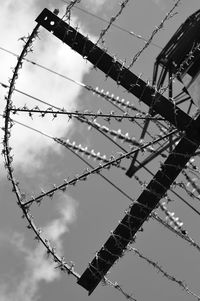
x=90, y=139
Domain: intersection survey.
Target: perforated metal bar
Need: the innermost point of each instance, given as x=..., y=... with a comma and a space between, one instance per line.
x=113, y=68
x=116, y=244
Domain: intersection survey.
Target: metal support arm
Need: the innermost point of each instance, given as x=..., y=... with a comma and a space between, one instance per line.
x=141, y=209
x=114, y=69
x=116, y=244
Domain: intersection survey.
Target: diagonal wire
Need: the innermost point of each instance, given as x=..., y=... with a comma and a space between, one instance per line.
x=86, y=113
x=158, y=28
x=181, y=198
x=163, y=272
x=69, y=7
x=154, y=215
x=133, y=34
x=112, y=20
x=57, y=108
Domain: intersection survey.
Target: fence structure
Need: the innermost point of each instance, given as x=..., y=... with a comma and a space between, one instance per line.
x=181, y=140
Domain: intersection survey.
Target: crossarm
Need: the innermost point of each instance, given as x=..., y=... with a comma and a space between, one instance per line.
x=113, y=69
x=141, y=209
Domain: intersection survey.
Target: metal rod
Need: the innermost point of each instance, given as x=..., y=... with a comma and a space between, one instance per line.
x=141, y=209
x=113, y=69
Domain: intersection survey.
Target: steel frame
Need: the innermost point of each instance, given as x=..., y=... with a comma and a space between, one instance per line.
x=141, y=209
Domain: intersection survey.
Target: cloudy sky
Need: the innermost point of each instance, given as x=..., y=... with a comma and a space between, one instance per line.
x=79, y=221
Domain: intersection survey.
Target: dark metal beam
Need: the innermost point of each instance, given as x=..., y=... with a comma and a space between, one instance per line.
x=141, y=209
x=114, y=69
x=116, y=244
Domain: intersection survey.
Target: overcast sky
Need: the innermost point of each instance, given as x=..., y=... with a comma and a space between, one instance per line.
x=79, y=221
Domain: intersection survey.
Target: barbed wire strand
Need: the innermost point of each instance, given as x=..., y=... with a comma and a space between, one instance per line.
x=62, y=110
x=60, y=261
x=85, y=120
x=163, y=89
x=163, y=92
x=193, y=168
x=154, y=215
x=86, y=113
x=70, y=5
x=133, y=34
x=160, y=269
x=107, y=97
x=168, y=16
x=184, y=186
x=93, y=171
x=115, y=101
x=70, y=268
x=123, y=4
x=171, y=218
x=184, y=236
x=124, y=150
x=8, y=157
x=192, y=183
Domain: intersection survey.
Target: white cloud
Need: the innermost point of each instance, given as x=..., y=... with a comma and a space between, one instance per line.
x=37, y=267
x=95, y=5
x=160, y=3
x=17, y=20
x=67, y=211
